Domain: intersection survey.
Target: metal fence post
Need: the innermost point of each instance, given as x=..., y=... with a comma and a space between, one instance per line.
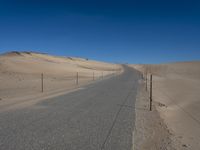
x=151, y=92
x=146, y=81
x=93, y=76
x=42, y=82
x=77, y=78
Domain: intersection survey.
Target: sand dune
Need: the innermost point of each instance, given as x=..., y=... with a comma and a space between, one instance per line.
x=176, y=95
x=20, y=74
x=25, y=62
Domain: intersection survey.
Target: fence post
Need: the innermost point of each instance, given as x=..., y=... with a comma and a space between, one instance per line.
x=77, y=78
x=151, y=92
x=93, y=76
x=142, y=74
x=146, y=81
x=102, y=75
x=42, y=82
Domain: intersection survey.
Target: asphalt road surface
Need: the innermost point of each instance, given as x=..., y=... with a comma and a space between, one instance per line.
x=98, y=117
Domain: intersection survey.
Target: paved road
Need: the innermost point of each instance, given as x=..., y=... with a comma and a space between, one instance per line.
x=98, y=117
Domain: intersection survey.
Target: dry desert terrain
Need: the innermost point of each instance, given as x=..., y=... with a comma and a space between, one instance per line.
x=174, y=122
x=176, y=96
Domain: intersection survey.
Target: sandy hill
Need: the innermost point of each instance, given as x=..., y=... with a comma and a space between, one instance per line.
x=187, y=69
x=29, y=62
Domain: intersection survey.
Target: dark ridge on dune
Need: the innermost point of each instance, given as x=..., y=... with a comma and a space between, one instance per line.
x=20, y=53
x=12, y=53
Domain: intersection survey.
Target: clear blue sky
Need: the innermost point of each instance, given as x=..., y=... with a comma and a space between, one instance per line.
x=135, y=31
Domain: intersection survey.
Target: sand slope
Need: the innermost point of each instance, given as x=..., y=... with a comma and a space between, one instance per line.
x=176, y=89
x=30, y=63
x=20, y=74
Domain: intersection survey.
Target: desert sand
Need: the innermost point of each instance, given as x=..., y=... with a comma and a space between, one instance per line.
x=176, y=96
x=20, y=75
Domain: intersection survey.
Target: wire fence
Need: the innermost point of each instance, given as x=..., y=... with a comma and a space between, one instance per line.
x=20, y=84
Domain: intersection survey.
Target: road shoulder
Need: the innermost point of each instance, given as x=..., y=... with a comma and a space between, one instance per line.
x=150, y=132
